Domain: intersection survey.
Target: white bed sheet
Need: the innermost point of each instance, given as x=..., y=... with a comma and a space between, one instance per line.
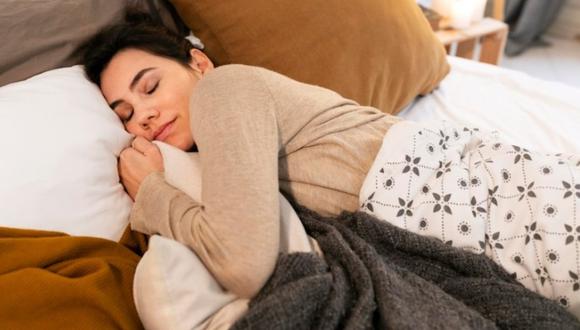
x=533, y=113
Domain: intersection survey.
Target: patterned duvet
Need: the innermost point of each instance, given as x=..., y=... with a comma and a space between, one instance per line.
x=472, y=190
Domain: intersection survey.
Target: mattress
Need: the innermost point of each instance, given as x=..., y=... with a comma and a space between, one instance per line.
x=526, y=111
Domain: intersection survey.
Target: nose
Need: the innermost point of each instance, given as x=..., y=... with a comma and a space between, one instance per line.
x=145, y=116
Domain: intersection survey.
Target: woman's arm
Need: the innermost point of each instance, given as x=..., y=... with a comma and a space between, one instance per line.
x=235, y=231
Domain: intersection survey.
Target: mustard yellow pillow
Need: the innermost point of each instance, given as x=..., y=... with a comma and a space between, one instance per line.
x=377, y=52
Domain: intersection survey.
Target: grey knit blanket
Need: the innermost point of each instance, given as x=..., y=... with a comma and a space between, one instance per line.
x=375, y=275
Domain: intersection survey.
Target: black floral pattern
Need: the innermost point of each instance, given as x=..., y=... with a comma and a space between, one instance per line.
x=443, y=168
x=518, y=207
x=518, y=258
x=405, y=208
x=423, y=224
x=550, y=210
x=542, y=274
x=546, y=170
x=475, y=181
x=509, y=216
x=463, y=184
x=569, y=191
x=521, y=153
x=471, y=131
x=552, y=256
x=475, y=209
x=412, y=165
x=492, y=195
x=575, y=280
x=456, y=135
x=531, y=232
x=571, y=234
x=493, y=240
x=506, y=175
x=526, y=191
x=464, y=228
x=563, y=301
x=442, y=203
x=430, y=148
x=389, y=183
x=443, y=140
x=367, y=204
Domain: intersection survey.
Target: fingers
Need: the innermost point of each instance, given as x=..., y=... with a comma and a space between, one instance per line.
x=142, y=154
x=130, y=155
x=134, y=167
x=144, y=146
x=127, y=174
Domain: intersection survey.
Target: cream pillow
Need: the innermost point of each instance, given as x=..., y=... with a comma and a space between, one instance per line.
x=172, y=288
x=59, y=142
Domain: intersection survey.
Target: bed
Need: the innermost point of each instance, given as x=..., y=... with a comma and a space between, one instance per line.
x=538, y=114
x=68, y=255
x=513, y=99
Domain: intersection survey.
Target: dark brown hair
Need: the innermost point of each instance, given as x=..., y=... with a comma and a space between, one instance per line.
x=138, y=31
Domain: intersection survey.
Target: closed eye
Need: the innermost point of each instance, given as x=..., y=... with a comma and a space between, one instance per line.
x=153, y=89
x=127, y=118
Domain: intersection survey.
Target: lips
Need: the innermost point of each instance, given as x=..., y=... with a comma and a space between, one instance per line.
x=163, y=131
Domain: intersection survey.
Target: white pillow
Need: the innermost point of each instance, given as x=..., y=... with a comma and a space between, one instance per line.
x=59, y=143
x=172, y=288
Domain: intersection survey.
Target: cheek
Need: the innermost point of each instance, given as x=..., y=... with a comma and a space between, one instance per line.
x=184, y=137
x=184, y=130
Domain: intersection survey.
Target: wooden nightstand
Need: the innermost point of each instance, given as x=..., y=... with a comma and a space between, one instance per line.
x=483, y=41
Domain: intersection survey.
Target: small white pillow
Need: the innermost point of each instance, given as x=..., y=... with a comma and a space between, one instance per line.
x=172, y=288
x=59, y=143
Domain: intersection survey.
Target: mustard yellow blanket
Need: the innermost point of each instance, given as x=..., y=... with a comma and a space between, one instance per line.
x=49, y=280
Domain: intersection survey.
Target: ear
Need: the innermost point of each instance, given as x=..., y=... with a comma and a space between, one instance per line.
x=200, y=62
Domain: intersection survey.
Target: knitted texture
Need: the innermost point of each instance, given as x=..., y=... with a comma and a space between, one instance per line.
x=375, y=275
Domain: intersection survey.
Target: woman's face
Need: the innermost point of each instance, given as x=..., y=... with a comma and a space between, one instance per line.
x=150, y=94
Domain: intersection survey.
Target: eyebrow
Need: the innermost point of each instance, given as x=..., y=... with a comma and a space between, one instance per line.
x=134, y=82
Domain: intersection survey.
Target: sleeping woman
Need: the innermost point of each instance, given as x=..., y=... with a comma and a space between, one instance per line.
x=257, y=133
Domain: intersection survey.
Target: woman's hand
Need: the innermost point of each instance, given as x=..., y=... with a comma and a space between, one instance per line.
x=138, y=161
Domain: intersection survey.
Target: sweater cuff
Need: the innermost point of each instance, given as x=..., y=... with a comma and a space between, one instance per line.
x=147, y=214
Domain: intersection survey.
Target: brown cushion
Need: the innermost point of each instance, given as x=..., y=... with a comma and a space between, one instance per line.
x=40, y=35
x=377, y=52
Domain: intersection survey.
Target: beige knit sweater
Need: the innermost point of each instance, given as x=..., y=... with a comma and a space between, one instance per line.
x=258, y=133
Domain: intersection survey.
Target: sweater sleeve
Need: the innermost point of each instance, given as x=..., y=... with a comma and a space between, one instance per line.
x=235, y=230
